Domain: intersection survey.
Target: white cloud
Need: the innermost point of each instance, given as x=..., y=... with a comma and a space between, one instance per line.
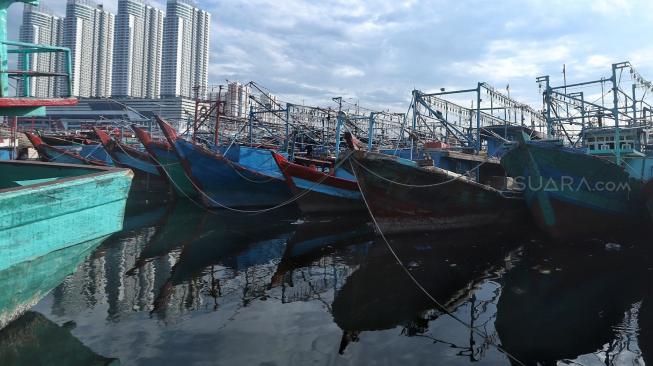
x=348, y=71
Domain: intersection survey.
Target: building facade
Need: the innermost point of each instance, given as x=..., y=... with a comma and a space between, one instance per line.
x=185, y=50
x=137, y=53
x=42, y=26
x=237, y=100
x=89, y=33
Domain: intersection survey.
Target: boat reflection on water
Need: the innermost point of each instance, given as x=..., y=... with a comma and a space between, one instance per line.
x=223, y=247
x=177, y=261
x=450, y=266
x=25, y=283
x=196, y=283
x=575, y=301
x=35, y=340
x=312, y=245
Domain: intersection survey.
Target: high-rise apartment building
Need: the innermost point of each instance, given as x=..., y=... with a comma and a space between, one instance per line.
x=41, y=26
x=88, y=32
x=185, y=49
x=237, y=100
x=137, y=50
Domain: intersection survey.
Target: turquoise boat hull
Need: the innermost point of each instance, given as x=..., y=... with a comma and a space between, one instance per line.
x=26, y=283
x=46, y=207
x=571, y=193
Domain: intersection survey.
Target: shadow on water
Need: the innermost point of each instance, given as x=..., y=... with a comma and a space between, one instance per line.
x=450, y=266
x=196, y=279
x=35, y=340
x=568, y=300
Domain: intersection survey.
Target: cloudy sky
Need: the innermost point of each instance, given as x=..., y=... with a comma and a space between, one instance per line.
x=377, y=51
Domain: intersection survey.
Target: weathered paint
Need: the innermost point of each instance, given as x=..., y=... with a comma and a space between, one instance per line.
x=327, y=193
x=26, y=283
x=453, y=201
x=579, y=209
x=223, y=183
x=166, y=158
x=84, y=204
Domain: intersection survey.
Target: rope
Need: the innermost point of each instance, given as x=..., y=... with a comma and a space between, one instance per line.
x=457, y=177
x=282, y=204
x=422, y=288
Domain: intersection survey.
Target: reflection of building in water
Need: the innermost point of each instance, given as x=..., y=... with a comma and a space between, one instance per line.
x=308, y=282
x=104, y=279
x=118, y=279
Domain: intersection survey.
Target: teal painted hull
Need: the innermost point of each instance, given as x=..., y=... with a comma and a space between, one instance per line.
x=47, y=207
x=26, y=283
x=573, y=194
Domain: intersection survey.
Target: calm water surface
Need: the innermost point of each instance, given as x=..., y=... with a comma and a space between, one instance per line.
x=179, y=286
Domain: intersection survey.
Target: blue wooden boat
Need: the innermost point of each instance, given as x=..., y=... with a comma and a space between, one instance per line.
x=25, y=283
x=47, y=207
x=222, y=182
x=572, y=193
x=78, y=144
x=167, y=160
x=54, y=154
x=320, y=192
x=126, y=156
x=404, y=196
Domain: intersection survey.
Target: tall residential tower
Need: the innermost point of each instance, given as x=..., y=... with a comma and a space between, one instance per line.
x=88, y=32
x=41, y=26
x=185, y=49
x=137, y=50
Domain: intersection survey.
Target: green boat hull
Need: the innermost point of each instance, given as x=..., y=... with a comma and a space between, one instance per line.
x=26, y=283
x=573, y=194
x=46, y=207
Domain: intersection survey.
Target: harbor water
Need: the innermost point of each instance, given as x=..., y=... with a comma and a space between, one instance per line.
x=183, y=286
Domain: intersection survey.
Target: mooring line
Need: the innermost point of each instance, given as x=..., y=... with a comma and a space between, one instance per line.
x=285, y=203
x=422, y=288
x=456, y=177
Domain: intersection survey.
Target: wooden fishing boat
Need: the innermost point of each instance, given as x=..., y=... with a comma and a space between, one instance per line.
x=54, y=154
x=126, y=156
x=320, y=192
x=78, y=144
x=167, y=160
x=46, y=207
x=404, y=196
x=571, y=193
x=224, y=183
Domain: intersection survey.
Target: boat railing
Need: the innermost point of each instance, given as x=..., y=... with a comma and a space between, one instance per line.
x=26, y=52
